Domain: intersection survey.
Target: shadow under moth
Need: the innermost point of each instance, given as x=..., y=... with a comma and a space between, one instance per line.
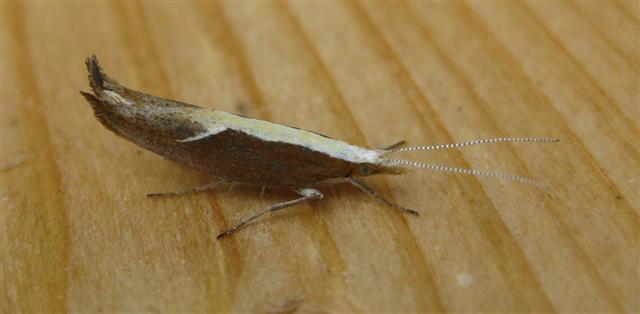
x=235, y=149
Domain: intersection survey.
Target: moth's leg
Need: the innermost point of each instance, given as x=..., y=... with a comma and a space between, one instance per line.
x=206, y=187
x=367, y=189
x=395, y=145
x=307, y=195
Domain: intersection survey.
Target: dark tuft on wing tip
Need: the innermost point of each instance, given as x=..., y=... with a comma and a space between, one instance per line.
x=96, y=76
x=99, y=110
x=94, y=101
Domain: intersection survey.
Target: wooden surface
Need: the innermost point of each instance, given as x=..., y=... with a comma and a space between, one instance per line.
x=78, y=234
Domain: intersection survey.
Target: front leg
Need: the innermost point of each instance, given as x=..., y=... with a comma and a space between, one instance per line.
x=395, y=145
x=367, y=189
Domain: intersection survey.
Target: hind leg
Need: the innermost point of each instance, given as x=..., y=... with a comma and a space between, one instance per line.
x=202, y=188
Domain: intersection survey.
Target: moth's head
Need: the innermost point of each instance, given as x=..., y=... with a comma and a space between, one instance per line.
x=369, y=169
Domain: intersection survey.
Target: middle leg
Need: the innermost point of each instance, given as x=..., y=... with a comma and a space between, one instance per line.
x=307, y=195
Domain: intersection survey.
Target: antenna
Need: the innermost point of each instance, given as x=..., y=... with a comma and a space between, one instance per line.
x=473, y=172
x=475, y=142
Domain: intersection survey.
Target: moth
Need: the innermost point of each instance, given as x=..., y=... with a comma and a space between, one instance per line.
x=235, y=149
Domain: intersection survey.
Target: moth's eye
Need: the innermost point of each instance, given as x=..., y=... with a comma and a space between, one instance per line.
x=365, y=170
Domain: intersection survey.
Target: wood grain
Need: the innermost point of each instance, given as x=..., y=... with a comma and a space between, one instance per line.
x=78, y=234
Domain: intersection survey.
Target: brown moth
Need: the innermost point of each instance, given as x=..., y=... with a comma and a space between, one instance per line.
x=236, y=149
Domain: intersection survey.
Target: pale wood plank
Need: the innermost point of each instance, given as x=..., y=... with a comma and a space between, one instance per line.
x=630, y=7
x=591, y=53
x=616, y=27
x=78, y=235
x=35, y=230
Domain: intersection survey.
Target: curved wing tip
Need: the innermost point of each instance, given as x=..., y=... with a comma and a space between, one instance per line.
x=96, y=75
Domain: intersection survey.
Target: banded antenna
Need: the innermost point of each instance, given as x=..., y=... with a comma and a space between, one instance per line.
x=473, y=172
x=475, y=142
